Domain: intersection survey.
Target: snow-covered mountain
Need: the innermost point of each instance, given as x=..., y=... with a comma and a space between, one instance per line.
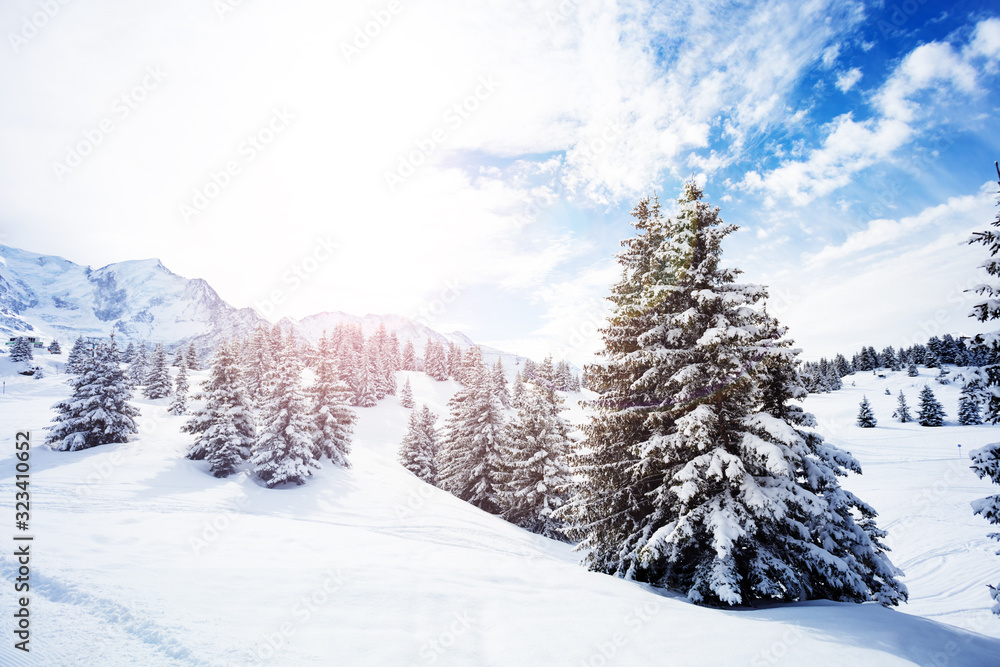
x=53, y=297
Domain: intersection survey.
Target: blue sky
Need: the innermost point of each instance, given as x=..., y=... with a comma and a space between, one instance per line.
x=475, y=165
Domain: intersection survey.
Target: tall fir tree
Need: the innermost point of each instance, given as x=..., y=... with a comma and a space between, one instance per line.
x=696, y=473
x=157, y=382
x=191, y=357
x=537, y=478
x=365, y=381
x=20, y=351
x=56, y=348
x=911, y=370
x=224, y=427
x=986, y=464
x=406, y=395
x=930, y=412
x=76, y=359
x=408, y=362
x=473, y=446
x=178, y=358
x=139, y=366
x=902, y=412
x=866, y=417
x=334, y=420
x=499, y=378
x=284, y=451
x=178, y=406
x=98, y=412
x=968, y=405
x=418, y=450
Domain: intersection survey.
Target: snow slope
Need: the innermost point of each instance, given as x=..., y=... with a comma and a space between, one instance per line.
x=143, y=559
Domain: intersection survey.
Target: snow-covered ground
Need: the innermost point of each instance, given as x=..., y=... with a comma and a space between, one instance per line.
x=141, y=558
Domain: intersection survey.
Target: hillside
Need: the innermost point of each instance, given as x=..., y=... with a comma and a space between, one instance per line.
x=142, y=558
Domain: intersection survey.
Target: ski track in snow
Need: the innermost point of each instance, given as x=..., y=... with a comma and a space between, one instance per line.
x=369, y=566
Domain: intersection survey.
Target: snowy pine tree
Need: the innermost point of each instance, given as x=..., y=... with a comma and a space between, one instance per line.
x=20, y=351
x=902, y=412
x=911, y=370
x=55, y=347
x=178, y=406
x=866, y=418
x=986, y=464
x=930, y=412
x=365, y=379
x=284, y=451
x=224, y=427
x=418, y=450
x=968, y=405
x=406, y=395
x=696, y=473
x=537, y=477
x=158, y=383
x=408, y=362
x=178, y=358
x=98, y=412
x=471, y=455
x=139, y=366
x=499, y=378
x=334, y=420
x=191, y=357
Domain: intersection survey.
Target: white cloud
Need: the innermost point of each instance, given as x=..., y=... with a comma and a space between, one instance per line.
x=847, y=79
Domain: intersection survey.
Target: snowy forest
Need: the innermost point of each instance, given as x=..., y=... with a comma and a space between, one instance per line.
x=696, y=470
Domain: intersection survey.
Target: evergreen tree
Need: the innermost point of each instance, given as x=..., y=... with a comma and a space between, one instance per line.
x=406, y=395
x=499, y=378
x=139, y=367
x=537, y=478
x=473, y=446
x=434, y=362
x=911, y=370
x=55, y=347
x=986, y=464
x=968, y=405
x=129, y=355
x=178, y=358
x=365, y=379
x=930, y=412
x=696, y=473
x=224, y=428
x=158, y=378
x=98, y=412
x=409, y=358
x=931, y=359
x=179, y=405
x=942, y=376
x=418, y=450
x=79, y=356
x=866, y=418
x=517, y=393
x=284, y=451
x=902, y=412
x=21, y=351
x=334, y=420
x=191, y=357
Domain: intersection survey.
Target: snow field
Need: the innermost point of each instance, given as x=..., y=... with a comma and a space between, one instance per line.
x=143, y=558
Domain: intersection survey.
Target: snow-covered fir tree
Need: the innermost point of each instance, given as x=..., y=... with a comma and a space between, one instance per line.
x=333, y=419
x=472, y=449
x=418, y=450
x=930, y=412
x=911, y=370
x=986, y=464
x=697, y=474
x=499, y=378
x=406, y=395
x=284, y=451
x=191, y=357
x=21, y=352
x=435, y=364
x=178, y=358
x=902, y=412
x=139, y=366
x=517, y=391
x=365, y=381
x=537, y=477
x=157, y=382
x=98, y=412
x=224, y=428
x=56, y=348
x=968, y=404
x=178, y=406
x=408, y=361
x=866, y=417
